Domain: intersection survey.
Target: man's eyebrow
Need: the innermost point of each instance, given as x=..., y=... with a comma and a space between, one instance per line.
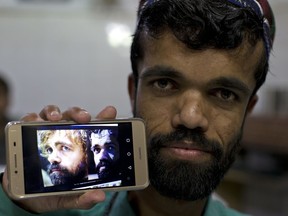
x=231, y=82
x=162, y=71
x=63, y=143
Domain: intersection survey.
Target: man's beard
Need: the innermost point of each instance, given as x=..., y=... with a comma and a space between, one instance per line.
x=109, y=170
x=187, y=180
x=64, y=176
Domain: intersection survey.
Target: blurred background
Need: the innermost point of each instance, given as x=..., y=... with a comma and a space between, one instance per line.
x=76, y=53
x=66, y=52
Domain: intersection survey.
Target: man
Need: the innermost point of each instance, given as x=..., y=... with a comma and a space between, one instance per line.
x=66, y=152
x=105, y=148
x=5, y=94
x=197, y=66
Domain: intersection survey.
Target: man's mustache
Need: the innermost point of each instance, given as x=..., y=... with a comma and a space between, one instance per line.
x=103, y=163
x=195, y=136
x=57, y=167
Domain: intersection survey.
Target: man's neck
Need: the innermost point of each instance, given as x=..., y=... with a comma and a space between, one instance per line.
x=150, y=202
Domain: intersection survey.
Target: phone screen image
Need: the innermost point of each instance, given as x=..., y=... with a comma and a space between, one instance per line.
x=77, y=157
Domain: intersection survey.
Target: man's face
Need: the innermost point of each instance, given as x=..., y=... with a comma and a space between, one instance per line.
x=105, y=149
x=194, y=104
x=67, y=158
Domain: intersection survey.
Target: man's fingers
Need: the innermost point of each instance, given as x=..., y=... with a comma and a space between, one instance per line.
x=108, y=112
x=48, y=113
x=76, y=114
x=51, y=113
x=83, y=201
x=55, y=203
x=89, y=199
x=31, y=117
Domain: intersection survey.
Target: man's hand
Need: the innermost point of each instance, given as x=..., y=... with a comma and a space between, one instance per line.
x=53, y=203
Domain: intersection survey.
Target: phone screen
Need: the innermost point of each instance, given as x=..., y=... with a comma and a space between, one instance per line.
x=77, y=157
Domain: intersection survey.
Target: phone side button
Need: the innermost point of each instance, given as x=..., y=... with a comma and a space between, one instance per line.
x=15, y=161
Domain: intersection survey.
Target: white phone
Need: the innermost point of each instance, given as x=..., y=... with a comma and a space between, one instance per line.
x=48, y=158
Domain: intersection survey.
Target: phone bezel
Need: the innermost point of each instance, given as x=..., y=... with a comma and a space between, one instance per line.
x=15, y=165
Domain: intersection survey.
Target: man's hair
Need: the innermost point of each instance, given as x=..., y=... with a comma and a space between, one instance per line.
x=111, y=132
x=79, y=137
x=201, y=24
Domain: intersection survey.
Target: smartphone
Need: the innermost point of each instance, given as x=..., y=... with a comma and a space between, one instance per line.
x=48, y=158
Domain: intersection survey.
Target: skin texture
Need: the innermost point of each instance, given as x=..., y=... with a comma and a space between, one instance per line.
x=210, y=90
x=106, y=153
x=66, y=155
x=179, y=88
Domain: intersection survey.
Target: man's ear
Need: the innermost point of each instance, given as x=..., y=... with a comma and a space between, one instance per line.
x=252, y=102
x=131, y=89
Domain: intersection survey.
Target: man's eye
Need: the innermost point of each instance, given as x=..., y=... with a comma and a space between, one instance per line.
x=65, y=148
x=49, y=150
x=163, y=84
x=95, y=150
x=226, y=95
x=111, y=148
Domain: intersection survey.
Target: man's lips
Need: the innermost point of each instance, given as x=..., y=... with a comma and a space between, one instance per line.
x=186, y=150
x=55, y=170
x=189, y=145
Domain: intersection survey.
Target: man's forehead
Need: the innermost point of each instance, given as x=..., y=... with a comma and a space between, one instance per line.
x=159, y=61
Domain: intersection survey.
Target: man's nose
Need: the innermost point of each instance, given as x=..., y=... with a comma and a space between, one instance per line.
x=191, y=111
x=54, y=157
x=105, y=154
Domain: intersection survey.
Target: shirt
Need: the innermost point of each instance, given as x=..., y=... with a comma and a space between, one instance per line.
x=116, y=204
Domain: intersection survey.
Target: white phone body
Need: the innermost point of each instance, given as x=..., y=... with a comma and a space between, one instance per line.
x=27, y=173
